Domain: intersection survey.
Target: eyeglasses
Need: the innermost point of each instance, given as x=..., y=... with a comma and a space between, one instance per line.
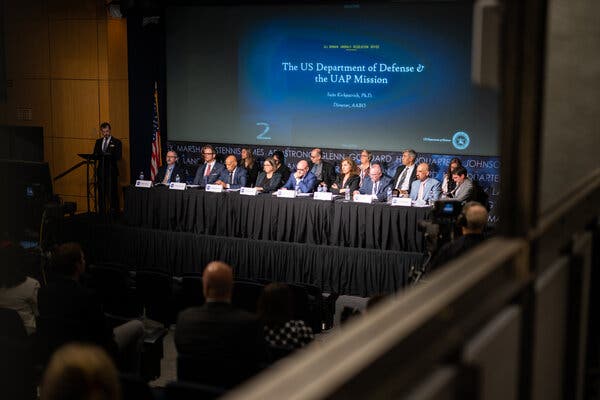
x=206, y=154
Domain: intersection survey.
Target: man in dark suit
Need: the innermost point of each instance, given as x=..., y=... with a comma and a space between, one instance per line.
x=169, y=172
x=406, y=174
x=376, y=183
x=222, y=345
x=211, y=170
x=233, y=176
x=108, y=151
x=324, y=171
x=302, y=179
x=69, y=312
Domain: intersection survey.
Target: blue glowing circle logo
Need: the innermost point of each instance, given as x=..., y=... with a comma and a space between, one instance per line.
x=461, y=140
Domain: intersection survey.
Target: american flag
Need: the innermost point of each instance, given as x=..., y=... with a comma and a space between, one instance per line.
x=156, y=160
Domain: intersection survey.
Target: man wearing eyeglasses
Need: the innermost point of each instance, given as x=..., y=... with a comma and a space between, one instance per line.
x=211, y=170
x=302, y=180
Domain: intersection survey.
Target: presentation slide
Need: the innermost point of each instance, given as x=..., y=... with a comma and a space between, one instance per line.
x=383, y=77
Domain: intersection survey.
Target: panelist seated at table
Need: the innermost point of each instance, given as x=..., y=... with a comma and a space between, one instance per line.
x=348, y=180
x=425, y=189
x=268, y=179
x=464, y=190
x=233, y=176
x=376, y=184
x=302, y=179
x=170, y=171
x=210, y=171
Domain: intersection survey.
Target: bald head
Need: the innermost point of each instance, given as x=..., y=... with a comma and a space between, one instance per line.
x=422, y=171
x=217, y=281
x=230, y=163
x=476, y=216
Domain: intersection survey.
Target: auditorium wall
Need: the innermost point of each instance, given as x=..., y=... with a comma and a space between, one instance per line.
x=66, y=70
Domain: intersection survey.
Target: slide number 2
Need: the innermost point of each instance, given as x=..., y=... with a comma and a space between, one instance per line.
x=266, y=128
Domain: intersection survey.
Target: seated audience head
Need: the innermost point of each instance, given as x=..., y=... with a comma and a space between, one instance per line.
x=348, y=166
x=302, y=168
x=278, y=157
x=208, y=153
x=365, y=157
x=316, y=155
x=375, y=172
x=171, y=157
x=476, y=218
x=454, y=163
x=459, y=175
x=408, y=157
x=230, y=163
x=275, y=304
x=68, y=260
x=80, y=371
x=269, y=165
x=217, y=281
x=12, y=266
x=422, y=171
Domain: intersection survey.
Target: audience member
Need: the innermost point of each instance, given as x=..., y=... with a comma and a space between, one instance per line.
x=376, y=184
x=448, y=184
x=282, y=168
x=302, y=179
x=348, y=180
x=248, y=161
x=324, y=171
x=66, y=301
x=275, y=311
x=210, y=171
x=232, y=177
x=225, y=344
x=365, y=164
x=406, y=174
x=18, y=291
x=472, y=222
x=169, y=172
x=425, y=189
x=80, y=371
x=268, y=180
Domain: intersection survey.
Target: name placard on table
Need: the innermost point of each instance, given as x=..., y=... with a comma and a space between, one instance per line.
x=401, y=201
x=214, y=188
x=363, y=198
x=143, y=183
x=177, y=185
x=327, y=196
x=286, y=194
x=248, y=191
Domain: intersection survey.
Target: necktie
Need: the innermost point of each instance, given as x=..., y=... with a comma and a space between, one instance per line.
x=207, y=171
x=375, y=187
x=105, y=145
x=402, y=177
x=231, y=177
x=421, y=190
x=167, y=176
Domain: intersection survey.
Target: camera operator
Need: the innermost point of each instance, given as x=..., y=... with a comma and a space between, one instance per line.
x=472, y=222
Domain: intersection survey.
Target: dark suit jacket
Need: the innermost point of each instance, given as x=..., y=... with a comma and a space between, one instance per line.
x=285, y=172
x=252, y=173
x=114, y=150
x=307, y=184
x=327, y=173
x=384, y=183
x=413, y=176
x=352, y=183
x=454, y=249
x=80, y=315
x=239, y=178
x=215, y=173
x=274, y=184
x=223, y=339
x=177, y=170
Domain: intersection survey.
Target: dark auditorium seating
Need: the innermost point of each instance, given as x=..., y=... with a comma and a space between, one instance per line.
x=187, y=391
x=114, y=287
x=155, y=291
x=135, y=388
x=17, y=378
x=192, y=291
x=246, y=294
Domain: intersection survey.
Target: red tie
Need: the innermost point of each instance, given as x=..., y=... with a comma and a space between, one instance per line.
x=207, y=172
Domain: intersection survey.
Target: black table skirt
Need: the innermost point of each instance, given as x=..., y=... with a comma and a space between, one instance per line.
x=359, y=272
x=264, y=217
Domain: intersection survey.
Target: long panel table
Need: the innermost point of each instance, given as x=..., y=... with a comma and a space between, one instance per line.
x=267, y=218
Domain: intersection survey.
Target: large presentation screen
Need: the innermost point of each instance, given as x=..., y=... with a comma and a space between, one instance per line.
x=388, y=76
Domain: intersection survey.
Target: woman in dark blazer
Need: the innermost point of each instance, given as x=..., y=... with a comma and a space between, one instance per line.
x=269, y=180
x=348, y=179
